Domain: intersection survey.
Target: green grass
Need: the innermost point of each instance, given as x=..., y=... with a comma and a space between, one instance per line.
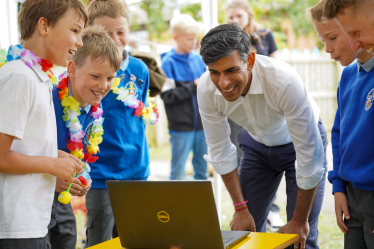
x=160, y=153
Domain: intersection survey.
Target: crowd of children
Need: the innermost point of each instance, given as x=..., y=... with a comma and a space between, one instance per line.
x=73, y=132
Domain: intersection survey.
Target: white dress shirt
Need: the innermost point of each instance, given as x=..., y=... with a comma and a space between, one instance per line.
x=277, y=110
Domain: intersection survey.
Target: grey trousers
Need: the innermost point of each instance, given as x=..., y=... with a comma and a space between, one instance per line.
x=261, y=170
x=100, y=220
x=37, y=243
x=62, y=229
x=361, y=223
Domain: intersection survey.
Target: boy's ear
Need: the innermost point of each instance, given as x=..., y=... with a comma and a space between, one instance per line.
x=175, y=37
x=43, y=26
x=72, y=69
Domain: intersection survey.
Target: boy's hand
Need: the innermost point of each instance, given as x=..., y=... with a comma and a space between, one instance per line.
x=62, y=185
x=341, y=208
x=85, y=189
x=63, y=154
x=65, y=168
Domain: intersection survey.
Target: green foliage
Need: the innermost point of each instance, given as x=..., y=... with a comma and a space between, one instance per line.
x=269, y=13
x=157, y=26
x=193, y=10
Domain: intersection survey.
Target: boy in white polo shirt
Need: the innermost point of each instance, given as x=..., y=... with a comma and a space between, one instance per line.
x=28, y=138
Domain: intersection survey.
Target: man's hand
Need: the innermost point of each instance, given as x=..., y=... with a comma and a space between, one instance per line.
x=196, y=81
x=297, y=227
x=243, y=221
x=62, y=185
x=341, y=208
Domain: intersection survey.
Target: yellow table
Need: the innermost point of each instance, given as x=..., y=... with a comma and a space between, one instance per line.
x=253, y=241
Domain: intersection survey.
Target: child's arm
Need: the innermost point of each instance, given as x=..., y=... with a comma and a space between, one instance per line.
x=15, y=163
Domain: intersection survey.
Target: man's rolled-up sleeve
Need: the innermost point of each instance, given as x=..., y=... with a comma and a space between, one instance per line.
x=223, y=155
x=305, y=135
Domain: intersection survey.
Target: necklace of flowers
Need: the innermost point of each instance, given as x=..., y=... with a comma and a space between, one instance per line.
x=149, y=114
x=18, y=52
x=76, y=133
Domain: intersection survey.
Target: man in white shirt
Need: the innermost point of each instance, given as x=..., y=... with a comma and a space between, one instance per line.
x=281, y=133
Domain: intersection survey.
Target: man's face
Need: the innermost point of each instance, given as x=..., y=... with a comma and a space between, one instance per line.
x=359, y=25
x=232, y=76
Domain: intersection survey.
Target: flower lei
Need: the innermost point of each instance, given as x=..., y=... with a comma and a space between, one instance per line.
x=18, y=52
x=71, y=113
x=149, y=114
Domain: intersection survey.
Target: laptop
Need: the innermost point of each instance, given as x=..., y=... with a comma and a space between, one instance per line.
x=161, y=214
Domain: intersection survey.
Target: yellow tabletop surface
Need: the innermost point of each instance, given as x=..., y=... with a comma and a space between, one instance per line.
x=254, y=240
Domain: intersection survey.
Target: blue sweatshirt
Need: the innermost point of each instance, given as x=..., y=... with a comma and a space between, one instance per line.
x=124, y=151
x=62, y=132
x=353, y=131
x=184, y=67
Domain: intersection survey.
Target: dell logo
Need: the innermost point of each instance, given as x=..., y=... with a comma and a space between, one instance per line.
x=163, y=216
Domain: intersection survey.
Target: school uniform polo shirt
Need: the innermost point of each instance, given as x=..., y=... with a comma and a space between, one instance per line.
x=27, y=114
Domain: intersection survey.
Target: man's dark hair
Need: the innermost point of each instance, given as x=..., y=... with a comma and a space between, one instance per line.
x=223, y=41
x=334, y=7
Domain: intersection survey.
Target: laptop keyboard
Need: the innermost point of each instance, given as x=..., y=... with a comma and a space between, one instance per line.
x=225, y=240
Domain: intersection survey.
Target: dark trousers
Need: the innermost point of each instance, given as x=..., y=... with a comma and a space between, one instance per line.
x=261, y=170
x=361, y=223
x=62, y=229
x=100, y=220
x=35, y=243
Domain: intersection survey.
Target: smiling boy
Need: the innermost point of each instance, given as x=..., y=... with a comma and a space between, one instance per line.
x=356, y=19
x=91, y=73
x=124, y=153
x=28, y=137
x=351, y=177
x=336, y=41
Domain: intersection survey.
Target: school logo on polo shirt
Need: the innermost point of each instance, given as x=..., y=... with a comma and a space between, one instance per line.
x=369, y=99
x=132, y=87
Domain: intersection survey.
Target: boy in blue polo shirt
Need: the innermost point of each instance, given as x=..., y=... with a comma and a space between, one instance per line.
x=124, y=152
x=90, y=77
x=351, y=177
x=184, y=67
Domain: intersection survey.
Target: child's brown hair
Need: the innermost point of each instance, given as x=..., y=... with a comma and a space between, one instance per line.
x=334, y=7
x=52, y=10
x=97, y=44
x=111, y=8
x=316, y=12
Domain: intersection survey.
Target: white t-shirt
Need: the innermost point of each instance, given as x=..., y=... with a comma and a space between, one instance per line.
x=27, y=113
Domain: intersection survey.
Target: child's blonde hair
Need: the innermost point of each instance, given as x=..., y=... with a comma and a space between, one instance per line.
x=184, y=25
x=111, y=8
x=97, y=44
x=316, y=12
x=52, y=10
